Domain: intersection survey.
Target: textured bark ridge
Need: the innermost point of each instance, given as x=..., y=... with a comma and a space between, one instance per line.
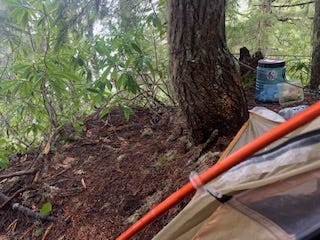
x=205, y=75
x=315, y=64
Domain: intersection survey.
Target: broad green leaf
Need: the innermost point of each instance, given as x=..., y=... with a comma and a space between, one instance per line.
x=105, y=73
x=138, y=64
x=156, y=20
x=46, y=208
x=3, y=164
x=4, y=161
x=52, y=65
x=77, y=126
x=136, y=47
x=17, y=14
x=104, y=112
x=127, y=111
x=26, y=88
x=101, y=85
x=114, y=74
x=59, y=86
x=25, y=19
x=104, y=77
x=93, y=90
x=41, y=21
x=121, y=81
x=129, y=60
x=6, y=85
x=21, y=66
x=127, y=49
x=151, y=69
x=38, y=232
x=66, y=75
x=131, y=84
x=100, y=48
x=121, y=65
x=12, y=3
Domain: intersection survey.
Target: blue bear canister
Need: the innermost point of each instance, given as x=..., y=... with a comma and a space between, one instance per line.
x=270, y=72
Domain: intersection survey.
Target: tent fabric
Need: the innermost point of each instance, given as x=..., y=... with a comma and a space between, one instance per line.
x=241, y=226
x=284, y=210
x=191, y=219
x=289, y=207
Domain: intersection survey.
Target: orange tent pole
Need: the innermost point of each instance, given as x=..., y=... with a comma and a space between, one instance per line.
x=235, y=158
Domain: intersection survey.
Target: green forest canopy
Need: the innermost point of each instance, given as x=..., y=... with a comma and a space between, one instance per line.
x=60, y=60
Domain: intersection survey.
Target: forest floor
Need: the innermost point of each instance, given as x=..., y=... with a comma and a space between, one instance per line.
x=102, y=180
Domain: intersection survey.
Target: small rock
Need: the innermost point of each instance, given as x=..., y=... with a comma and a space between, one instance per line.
x=121, y=157
x=147, y=132
x=106, y=205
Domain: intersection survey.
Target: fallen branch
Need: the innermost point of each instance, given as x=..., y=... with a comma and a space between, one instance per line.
x=24, y=210
x=19, y=173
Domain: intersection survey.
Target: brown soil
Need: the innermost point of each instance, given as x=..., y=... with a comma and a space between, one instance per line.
x=102, y=180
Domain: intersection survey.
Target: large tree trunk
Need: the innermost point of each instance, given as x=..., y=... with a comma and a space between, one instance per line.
x=205, y=75
x=315, y=64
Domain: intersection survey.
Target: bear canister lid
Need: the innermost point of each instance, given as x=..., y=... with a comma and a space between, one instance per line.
x=271, y=63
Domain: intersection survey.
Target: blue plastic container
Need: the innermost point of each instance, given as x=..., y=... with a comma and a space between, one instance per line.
x=270, y=72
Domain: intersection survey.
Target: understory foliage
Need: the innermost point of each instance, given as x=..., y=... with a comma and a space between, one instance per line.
x=55, y=70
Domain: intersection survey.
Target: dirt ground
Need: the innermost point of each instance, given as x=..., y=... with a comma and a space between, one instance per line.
x=103, y=179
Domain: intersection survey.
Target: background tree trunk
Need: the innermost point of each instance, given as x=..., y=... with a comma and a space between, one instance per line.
x=204, y=73
x=266, y=6
x=128, y=14
x=315, y=63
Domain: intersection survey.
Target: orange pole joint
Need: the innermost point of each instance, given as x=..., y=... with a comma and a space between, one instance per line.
x=235, y=158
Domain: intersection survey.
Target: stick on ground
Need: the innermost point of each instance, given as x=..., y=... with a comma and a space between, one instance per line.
x=19, y=173
x=24, y=210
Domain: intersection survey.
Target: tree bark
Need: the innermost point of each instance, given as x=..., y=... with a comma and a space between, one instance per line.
x=266, y=6
x=315, y=63
x=205, y=75
x=127, y=14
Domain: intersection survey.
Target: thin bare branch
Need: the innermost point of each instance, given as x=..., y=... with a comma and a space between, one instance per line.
x=293, y=5
x=19, y=173
x=287, y=5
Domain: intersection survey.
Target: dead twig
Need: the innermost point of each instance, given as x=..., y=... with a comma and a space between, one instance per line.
x=12, y=197
x=19, y=173
x=46, y=233
x=12, y=226
x=83, y=184
x=71, y=192
x=36, y=177
x=60, y=173
x=26, y=233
